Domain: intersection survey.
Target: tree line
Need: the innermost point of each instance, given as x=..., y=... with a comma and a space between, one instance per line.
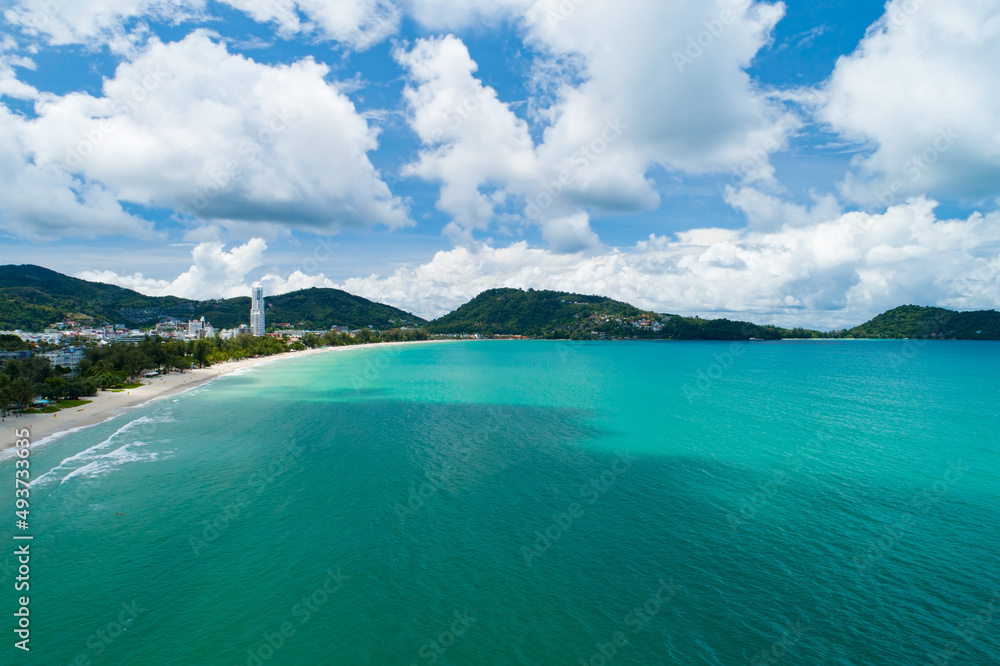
x=117, y=364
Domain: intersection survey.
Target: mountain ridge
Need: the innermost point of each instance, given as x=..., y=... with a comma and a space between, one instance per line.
x=33, y=297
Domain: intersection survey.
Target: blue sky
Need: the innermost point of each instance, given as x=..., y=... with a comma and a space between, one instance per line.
x=799, y=163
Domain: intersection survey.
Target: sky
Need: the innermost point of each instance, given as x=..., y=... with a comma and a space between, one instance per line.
x=799, y=163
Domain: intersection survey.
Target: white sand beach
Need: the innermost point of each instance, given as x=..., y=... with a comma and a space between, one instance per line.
x=107, y=404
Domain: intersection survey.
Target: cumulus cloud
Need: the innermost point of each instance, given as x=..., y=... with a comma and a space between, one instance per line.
x=10, y=86
x=473, y=139
x=766, y=212
x=834, y=273
x=42, y=203
x=570, y=234
x=189, y=126
x=448, y=15
x=361, y=23
x=214, y=273
x=356, y=23
x=919, y=90
x=634, y=97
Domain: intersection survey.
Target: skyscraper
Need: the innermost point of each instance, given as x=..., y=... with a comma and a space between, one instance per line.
x=257, y=310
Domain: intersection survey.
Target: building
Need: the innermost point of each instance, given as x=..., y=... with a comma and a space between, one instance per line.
x=257, y=311
x=15, y=355
x=68, y=358
x=199, y=328
x=230, y=333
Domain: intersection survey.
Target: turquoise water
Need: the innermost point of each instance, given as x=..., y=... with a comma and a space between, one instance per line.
x=486, y=503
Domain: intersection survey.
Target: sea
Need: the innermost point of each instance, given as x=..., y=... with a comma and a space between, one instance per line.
x=489, y=503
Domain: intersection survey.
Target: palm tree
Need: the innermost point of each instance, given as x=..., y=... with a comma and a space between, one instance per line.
x=5, y=396
x=22, y=394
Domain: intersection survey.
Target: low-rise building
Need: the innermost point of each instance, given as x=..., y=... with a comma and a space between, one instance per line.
x=15, y=355
x=69, y=357
x=199, y=328
x=230, y=333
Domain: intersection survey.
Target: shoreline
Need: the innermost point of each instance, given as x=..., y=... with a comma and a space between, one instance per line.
x=108, y=404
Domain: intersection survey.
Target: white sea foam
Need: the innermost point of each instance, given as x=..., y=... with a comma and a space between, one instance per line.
x=109, y=461
x=88, y=455
x=11, y=452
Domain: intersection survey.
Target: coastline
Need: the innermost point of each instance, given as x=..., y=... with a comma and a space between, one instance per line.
x=108, y=404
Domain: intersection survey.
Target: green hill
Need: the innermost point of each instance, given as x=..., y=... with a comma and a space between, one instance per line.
x=553, y=314
x=32, y=298
x=517, y=312
x=311, y=309
x=914, y=321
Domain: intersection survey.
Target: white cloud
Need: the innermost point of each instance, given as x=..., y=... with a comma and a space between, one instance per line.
x=920, y=90
x=10, y=86
x=766, y=212
x=42, y=203
x=835, y=273
x=634, y=96
x=450, y=15
x=275, y=284
x=472, y=138
x=361, y=23
x=136, y=282
x=62, y=22
x=356, y=23
x=187, y=125
x=214, y=273
x=570, y=234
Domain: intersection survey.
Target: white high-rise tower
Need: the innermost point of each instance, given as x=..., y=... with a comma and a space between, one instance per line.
x=257, y=310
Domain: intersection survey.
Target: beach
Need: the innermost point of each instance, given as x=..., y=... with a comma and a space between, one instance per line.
x=107, y=404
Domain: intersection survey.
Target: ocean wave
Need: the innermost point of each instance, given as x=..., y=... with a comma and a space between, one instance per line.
x=95, y=451
x=6, y=454
x=120, y=456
